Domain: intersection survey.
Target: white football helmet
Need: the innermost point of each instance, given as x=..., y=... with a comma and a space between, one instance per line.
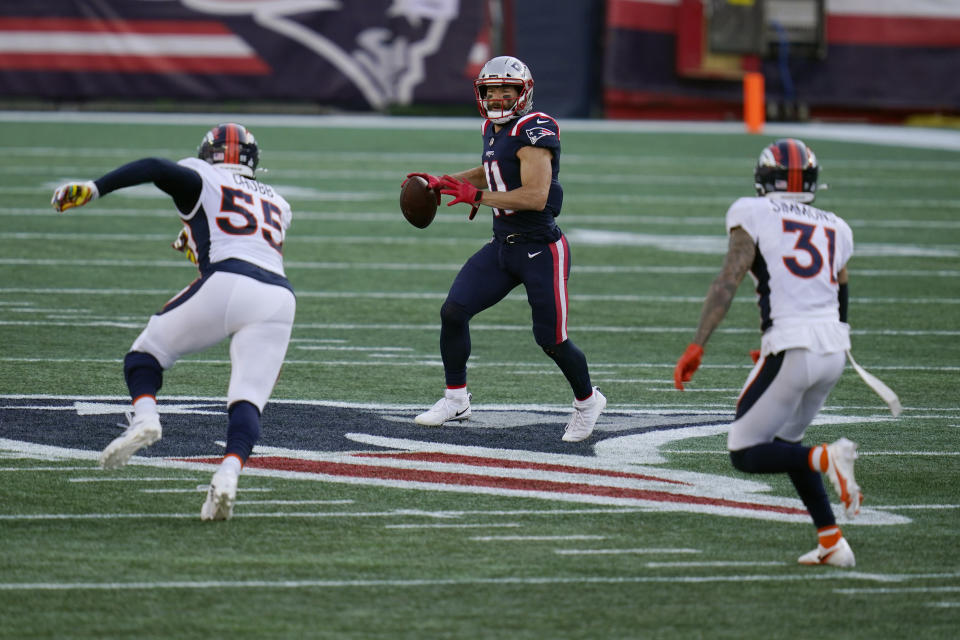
x=504, y=70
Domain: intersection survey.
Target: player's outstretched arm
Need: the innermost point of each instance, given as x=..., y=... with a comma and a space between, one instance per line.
x=740, y=254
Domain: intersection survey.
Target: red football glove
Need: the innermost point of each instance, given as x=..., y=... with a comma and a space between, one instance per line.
x=461, y=190
x=687, y=364
x=755, y=355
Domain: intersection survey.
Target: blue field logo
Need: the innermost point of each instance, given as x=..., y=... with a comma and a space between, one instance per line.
x=631, y=460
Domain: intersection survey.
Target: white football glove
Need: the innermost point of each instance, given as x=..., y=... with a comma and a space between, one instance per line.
x=183, y=244
x=74, y=194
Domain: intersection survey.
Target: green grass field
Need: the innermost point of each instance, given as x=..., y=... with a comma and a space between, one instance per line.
x=92, y=554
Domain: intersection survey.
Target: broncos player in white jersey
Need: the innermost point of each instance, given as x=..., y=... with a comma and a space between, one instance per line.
x=797, y=255
x=234, y=229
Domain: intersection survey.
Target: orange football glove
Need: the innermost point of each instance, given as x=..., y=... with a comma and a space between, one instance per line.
x=73, y=194
x=687, y=364
x=755, y=355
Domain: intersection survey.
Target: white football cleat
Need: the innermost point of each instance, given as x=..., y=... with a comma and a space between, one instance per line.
x=448, y=408
x=220, y=496
x=840, y=457
x=142, y=431
x=839, y=555
x=585, y=414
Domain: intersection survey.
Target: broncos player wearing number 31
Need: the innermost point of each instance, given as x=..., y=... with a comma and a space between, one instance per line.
x=797, y=255
x=517, y=179
x=234, y=228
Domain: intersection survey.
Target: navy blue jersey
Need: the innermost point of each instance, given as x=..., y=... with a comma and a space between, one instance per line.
x=502, y=168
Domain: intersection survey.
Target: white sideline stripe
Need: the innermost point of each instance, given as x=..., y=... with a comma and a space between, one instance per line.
x=855, y=591
x=608, y=552
x=920, y=137
x=720, y=563
x=534, y=538
x=480, y=525
x=533, y=580
x=132, y=480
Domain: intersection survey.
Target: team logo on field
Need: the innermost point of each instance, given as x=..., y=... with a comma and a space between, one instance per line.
x=500, y=451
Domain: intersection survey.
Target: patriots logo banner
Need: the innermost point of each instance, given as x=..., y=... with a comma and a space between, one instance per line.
x=365, y=55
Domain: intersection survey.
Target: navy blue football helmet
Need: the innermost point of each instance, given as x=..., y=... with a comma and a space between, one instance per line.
x=787, y=169
x=230, y=144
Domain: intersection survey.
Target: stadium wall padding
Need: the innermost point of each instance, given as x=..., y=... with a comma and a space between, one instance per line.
x=897, y=55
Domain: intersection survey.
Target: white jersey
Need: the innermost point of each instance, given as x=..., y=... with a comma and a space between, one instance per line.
x=236, y=218
x=800, y=251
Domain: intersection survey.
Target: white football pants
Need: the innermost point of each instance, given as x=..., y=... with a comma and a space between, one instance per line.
x=791, y=401
x=258, y=318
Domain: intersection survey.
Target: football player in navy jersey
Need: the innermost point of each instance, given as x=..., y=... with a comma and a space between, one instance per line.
x=234, y=228
x=797, y=255
x=517, y=179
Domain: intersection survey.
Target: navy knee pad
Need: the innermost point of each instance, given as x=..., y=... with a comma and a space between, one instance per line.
x=143, y=374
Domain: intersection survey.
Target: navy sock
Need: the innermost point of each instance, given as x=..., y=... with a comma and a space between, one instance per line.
x=244, y=429
x=143, y=374
x=809, y=486
x=573, y=364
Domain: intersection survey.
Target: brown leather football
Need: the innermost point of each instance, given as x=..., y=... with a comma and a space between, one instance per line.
x=417, y=202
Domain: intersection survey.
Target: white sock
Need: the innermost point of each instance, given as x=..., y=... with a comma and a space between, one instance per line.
x=232, y=463
x=145, y=406
x=457, y=394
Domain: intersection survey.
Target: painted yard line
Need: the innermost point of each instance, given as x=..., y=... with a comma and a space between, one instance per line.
x=944, y=605
x=46, y=468
x=513, y=297
x=242, y=490
x=614, y=552
x=432, y=361
x=202, y=488
x=466, y=525
x=534, y=538
x=641, y=221
x=158, y=479
x=733, y=563
x=898, y=507
x=340, y=514
x=857, y=591
x=860, y=452
x=426, y=582
x=138, y=325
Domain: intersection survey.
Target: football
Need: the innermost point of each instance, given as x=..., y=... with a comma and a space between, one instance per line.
x=417, y=202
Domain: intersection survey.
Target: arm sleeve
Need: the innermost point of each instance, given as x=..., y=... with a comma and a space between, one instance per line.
x=843, y=298
x=182, y=184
